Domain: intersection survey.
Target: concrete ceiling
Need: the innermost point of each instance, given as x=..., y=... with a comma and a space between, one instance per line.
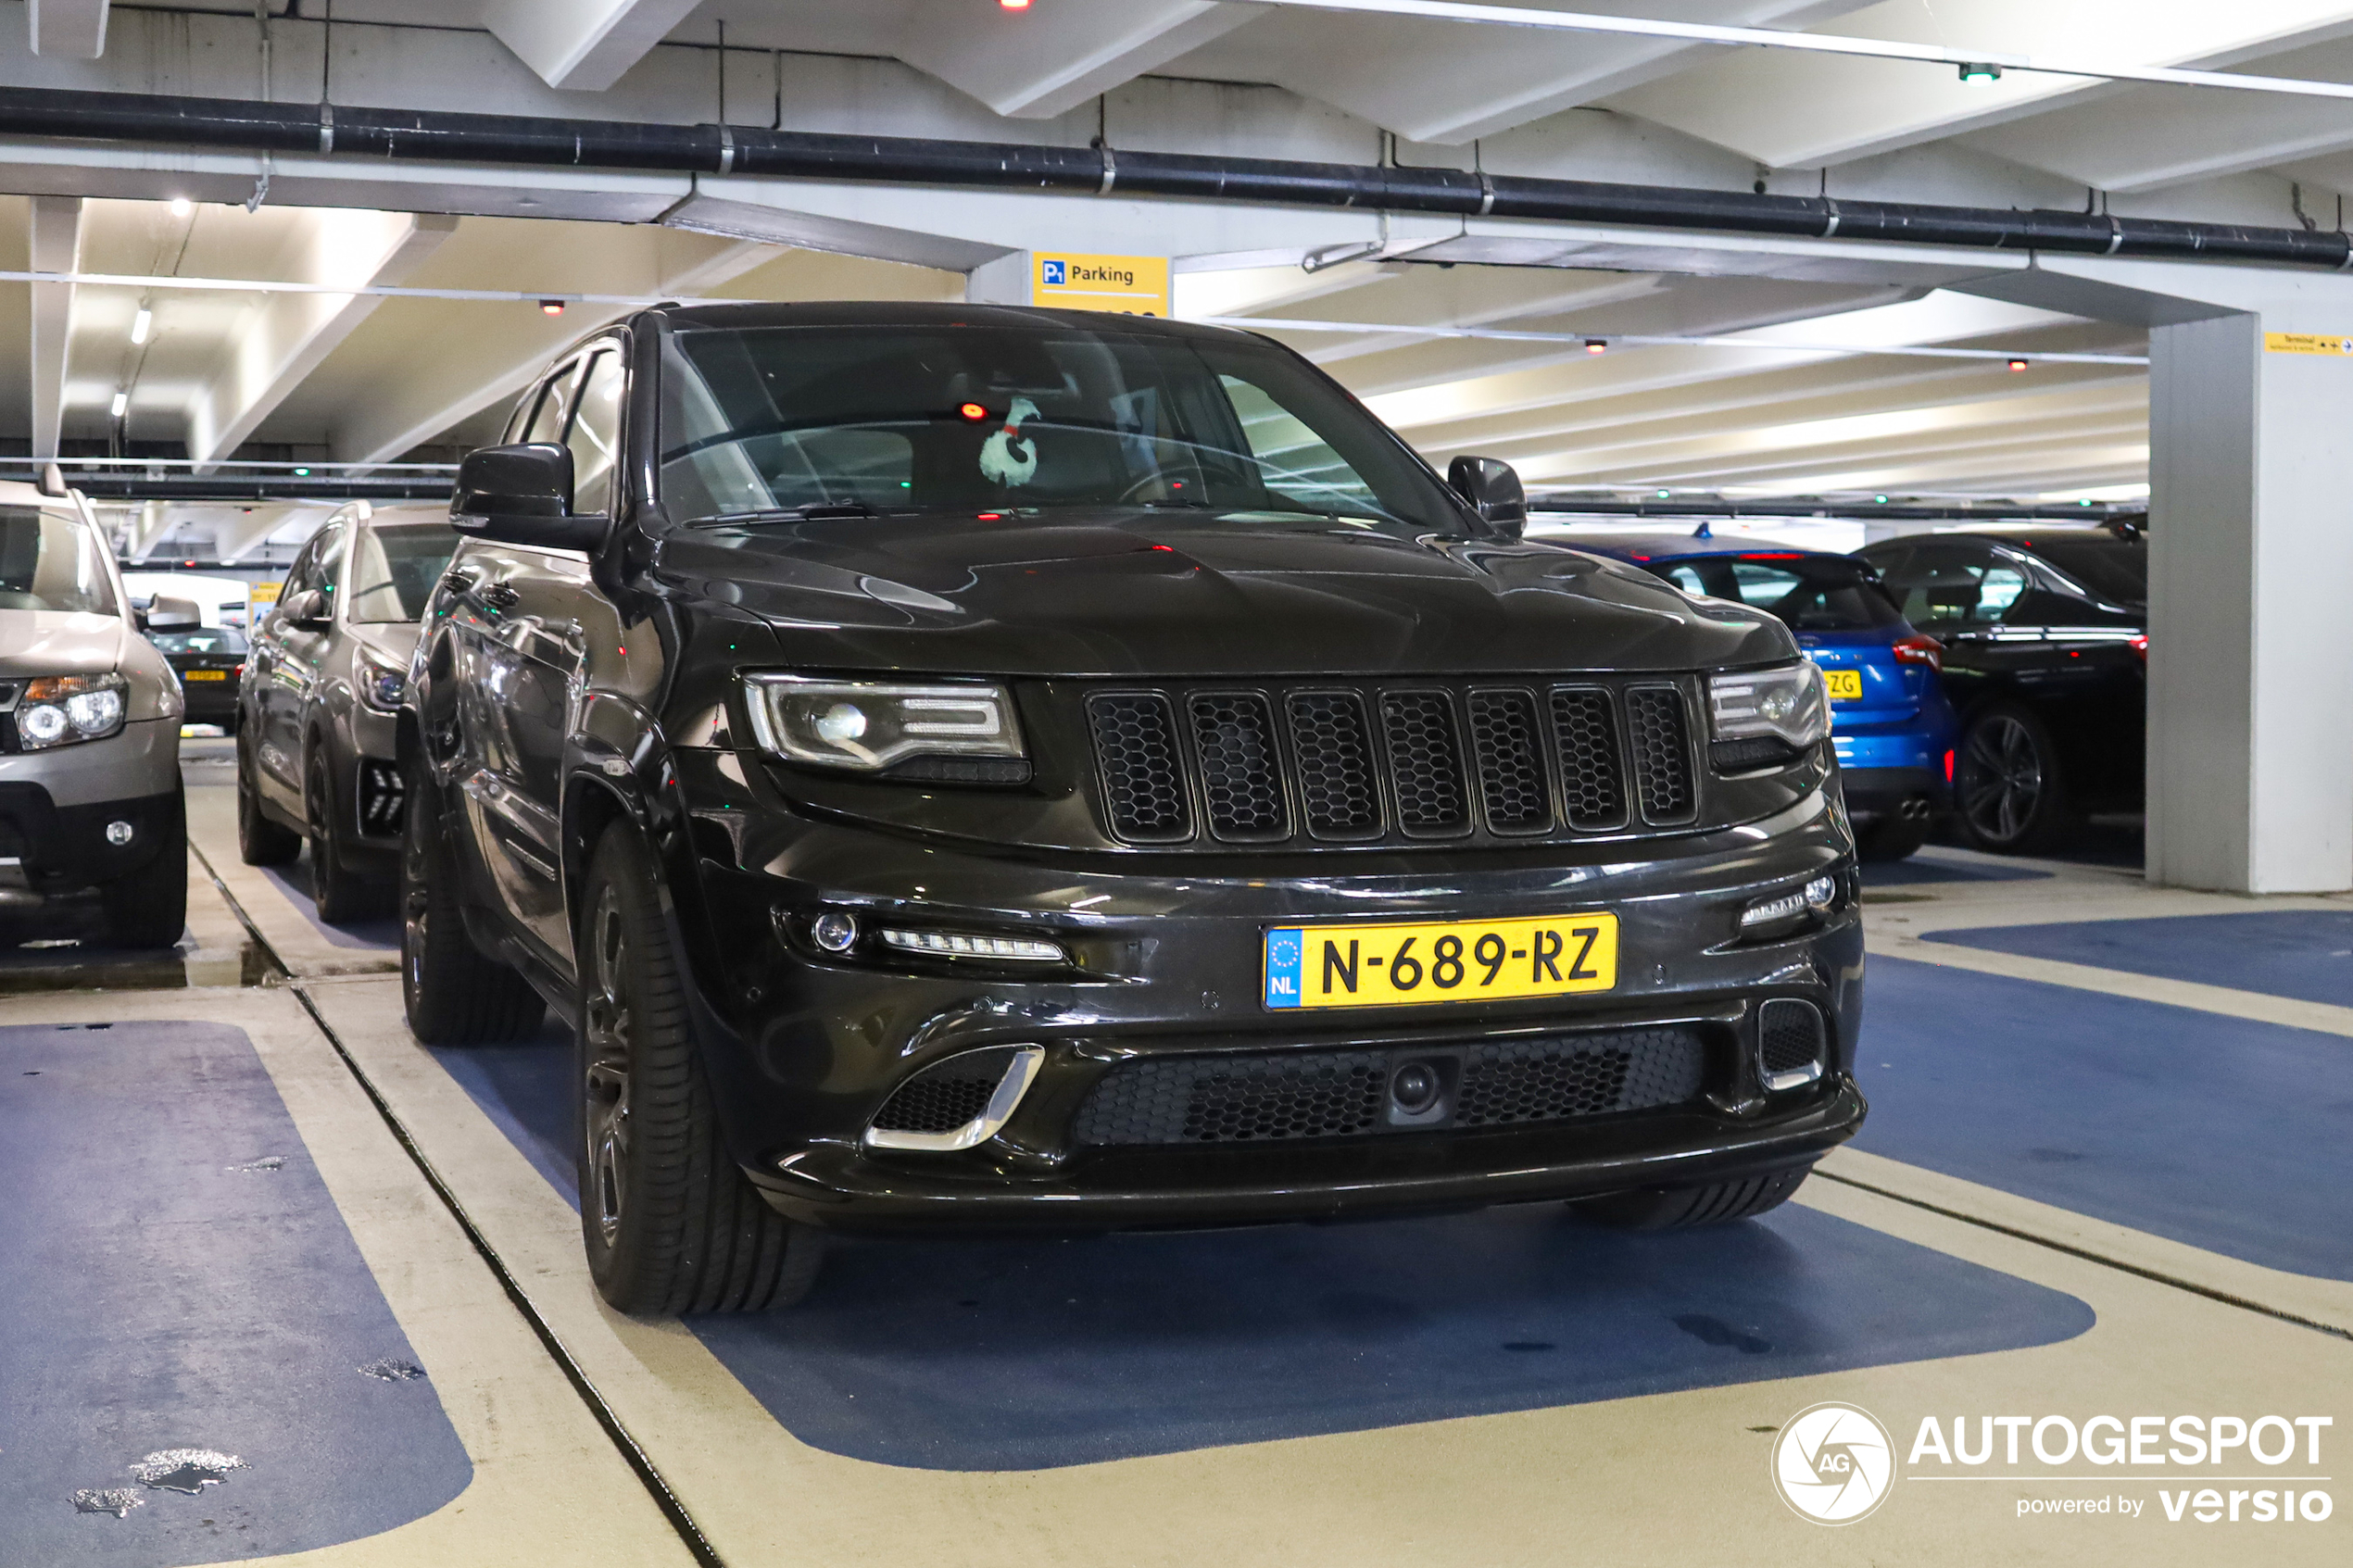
x=1796, y=391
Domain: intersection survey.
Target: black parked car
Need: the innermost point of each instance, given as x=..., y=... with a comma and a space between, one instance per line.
x=2046, y=658
x=962, y=766
x=210, y=662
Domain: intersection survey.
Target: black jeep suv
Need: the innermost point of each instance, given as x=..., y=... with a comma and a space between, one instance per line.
x=970, y=766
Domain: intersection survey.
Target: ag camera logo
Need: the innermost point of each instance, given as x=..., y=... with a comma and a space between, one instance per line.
x=1833, y=1464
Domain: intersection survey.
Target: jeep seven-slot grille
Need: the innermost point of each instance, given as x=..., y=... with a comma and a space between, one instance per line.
x=1411, y=761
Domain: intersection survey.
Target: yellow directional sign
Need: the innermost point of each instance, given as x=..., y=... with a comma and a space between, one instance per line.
x=1131, y=285
x=2306, y=343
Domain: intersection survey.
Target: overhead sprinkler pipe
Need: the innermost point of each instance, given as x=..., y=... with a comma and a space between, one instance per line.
x=431, y=136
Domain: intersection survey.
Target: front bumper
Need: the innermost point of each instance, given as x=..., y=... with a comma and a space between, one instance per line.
x=804, y=1047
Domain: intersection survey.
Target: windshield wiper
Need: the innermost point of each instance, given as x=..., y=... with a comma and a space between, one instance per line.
x=792, y=514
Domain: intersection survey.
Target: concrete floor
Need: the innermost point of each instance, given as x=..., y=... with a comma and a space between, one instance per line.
x=2104, y=1176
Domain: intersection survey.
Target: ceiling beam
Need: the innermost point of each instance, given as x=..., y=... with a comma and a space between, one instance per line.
x=56, y=246
x=73, y=30
x=287, y=335
x=1049, y=59
x=583, y=45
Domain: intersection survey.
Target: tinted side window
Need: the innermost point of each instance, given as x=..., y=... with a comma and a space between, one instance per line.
x=547, y=421
x=595, y=435
x=1957, y=585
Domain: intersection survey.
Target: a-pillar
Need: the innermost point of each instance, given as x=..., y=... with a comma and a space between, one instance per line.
x=2250, y=692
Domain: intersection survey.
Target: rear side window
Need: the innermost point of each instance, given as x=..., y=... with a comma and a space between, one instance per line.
x=2114, y=570
x=394, y=571
x=1806, y=593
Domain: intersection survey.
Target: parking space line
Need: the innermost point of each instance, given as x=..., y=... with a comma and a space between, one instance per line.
x=2306, y=1299
x=298, y=945
x=546, y=1485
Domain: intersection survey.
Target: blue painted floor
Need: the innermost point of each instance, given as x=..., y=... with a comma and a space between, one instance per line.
x=380, y=934
x=154, y=1297
x=1007, y=1354
x=2307, y=954
x=2224, y=1133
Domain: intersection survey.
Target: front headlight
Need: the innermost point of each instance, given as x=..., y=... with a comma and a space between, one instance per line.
x=60, y=710
x=381, y=685
x=967, y=728
x=1791, y=704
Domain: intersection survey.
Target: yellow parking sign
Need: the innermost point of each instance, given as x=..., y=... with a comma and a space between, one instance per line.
x=1131, y=285
x=2306, y=343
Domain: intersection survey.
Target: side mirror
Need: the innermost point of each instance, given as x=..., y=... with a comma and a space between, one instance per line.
x=522, y=494
x=1493, y=488
x=173, y=615
x=308, y=611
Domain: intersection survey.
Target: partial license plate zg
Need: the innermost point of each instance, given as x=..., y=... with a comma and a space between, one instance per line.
x=204, y=674
x=1846, y=685
x=1390, y=965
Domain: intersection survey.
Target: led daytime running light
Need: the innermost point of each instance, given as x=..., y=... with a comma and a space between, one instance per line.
x=956, y=944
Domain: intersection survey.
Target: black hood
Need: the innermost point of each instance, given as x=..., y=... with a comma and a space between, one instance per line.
x=1147, y=594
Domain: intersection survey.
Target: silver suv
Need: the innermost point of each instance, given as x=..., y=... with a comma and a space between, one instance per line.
x=322, y=688
x=89, y=728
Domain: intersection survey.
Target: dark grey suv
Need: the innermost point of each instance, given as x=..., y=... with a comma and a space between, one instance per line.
x=322, y=683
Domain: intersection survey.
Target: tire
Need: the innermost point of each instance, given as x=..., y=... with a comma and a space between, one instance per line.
x=260, y=841
x=2008, y=787
x=1891, y=838
x=149, y=907
x=342, y=893
x=454, y=994
x=669, y=1224
x=1681, y=1207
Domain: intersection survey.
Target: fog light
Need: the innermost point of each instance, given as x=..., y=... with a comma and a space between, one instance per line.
x=1819, y=894
x=119, y=833
x=834, y=933
x=955, y=945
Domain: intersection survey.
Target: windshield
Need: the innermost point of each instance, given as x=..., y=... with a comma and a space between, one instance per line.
x=1806, y=593
x=394, y=569
x=987, y=419
x=49, y=562
x=212, y=639
x=2115, y=570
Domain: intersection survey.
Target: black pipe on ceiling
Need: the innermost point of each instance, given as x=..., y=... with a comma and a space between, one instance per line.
x=430, y=135
x=188, y=487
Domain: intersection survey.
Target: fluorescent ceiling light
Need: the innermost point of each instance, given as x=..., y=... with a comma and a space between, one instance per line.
x=121, y=402
x=140, y=323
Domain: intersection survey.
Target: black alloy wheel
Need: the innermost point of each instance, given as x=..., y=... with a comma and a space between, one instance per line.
x=342, y=893
x=669, y=1224
x=454, y=996
x=260, y=841
x=2007, y=782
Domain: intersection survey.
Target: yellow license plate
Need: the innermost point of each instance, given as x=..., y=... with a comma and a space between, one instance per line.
x=203, y=675
x=1846, y=685
x=1367, y=966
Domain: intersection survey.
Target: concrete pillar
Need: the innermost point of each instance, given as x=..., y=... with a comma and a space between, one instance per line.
x=2250, y=733
x=1005, y=280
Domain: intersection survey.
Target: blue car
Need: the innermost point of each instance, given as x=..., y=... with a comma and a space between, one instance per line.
x=1889, y=719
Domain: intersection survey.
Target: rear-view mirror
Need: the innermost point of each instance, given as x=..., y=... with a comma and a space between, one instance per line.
x=1493, y=488
x=522, y=494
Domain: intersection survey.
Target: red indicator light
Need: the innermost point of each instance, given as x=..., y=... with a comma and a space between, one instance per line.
x=1948, y=766
x=1641, y=558
x=2018, y=364
x=551, y=308
x=973, y=411
x=1596, y=345
x=2140, y=645
x=989, y=517
x=1169, y=549
x=1014, y=5
x=1775, y=555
